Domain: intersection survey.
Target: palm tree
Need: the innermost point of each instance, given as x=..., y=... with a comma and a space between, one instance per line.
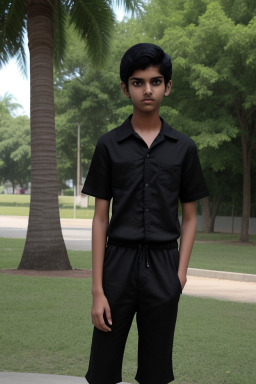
x=8, y=101
x=44, y=21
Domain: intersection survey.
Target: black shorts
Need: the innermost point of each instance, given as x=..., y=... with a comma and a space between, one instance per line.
x=141, y=280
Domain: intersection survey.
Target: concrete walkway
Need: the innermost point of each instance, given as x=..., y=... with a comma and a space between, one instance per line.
x=221, y=289
x=39, y=378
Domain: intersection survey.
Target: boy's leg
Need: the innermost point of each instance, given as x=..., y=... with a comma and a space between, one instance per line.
x=119, y=287
x=156, y=316
x=107, y=351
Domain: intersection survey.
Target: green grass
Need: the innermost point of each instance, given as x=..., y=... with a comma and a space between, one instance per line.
x=11, y=252
x=218, y=236
x=224, y=257
x=24, y=200
x=221, y=257
x=18, y=205
x=46, y=327
x=14, y=199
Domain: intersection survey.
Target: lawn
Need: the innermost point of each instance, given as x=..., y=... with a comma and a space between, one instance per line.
x=18, y=205
x=224, y=257
x=220, y=236
x=46, y=327
x=11, y=252
x=214, y=256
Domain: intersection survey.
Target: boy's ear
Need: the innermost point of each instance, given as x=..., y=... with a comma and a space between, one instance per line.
x=125, y=89
x=168, y=88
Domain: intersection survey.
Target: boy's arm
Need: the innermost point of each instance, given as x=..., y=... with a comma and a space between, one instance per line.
x=100, y=303
x=188, y=231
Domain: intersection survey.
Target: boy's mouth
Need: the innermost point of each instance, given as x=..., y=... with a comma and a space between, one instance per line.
x=148, y=100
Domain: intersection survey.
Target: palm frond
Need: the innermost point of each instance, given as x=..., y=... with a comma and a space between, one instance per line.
x=12, y=31
x=9, y=101
x=60, y=36
x=94, y=21
x=22, y=60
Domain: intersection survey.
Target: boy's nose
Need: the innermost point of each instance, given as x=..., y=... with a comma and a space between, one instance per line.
x=147, y=89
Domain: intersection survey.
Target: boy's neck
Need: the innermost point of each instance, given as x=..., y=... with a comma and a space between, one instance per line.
x=146, y=122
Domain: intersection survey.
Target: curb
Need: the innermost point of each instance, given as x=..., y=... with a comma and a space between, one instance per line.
x=222, y=275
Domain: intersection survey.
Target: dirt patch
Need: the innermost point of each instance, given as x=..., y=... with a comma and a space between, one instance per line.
x=73, y=273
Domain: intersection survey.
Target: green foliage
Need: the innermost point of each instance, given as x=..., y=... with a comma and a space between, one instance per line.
x=13, y=30
x=213, y=48
x=93, y=21
x=212, y=44
x=68, y=192
x=14, y=145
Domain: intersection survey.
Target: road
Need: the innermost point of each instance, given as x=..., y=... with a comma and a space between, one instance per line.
x=76, y=233
x=76, y=239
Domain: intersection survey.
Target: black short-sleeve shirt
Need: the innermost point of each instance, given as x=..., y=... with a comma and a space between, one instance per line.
x=145, y=183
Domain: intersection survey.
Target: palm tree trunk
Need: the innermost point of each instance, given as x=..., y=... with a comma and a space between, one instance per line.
x=45, y=248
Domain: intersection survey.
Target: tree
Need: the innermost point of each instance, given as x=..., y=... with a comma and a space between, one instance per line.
x=14, y=145
x=45, y=22
x=213, y=46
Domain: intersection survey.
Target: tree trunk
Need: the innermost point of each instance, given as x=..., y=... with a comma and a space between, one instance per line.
x=244, y=236
x=216, y=204
x=44, y=248
x=208, y=218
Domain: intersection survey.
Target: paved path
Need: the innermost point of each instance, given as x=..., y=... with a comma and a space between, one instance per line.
x=39, y=378
x=76, y=232
x=240, y=291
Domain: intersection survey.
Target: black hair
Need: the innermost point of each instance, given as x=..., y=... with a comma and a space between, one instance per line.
x=143, y=55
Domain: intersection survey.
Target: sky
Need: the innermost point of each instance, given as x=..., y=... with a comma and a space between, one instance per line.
x=14, y=83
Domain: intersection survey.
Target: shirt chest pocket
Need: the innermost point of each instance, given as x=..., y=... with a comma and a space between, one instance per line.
x=170, y=176
x=122, y=175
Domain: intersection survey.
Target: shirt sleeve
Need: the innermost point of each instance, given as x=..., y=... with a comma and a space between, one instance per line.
x=98, y=180
x=193, y=185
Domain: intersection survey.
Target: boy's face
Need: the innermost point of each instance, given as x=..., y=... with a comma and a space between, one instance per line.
x=146, y=88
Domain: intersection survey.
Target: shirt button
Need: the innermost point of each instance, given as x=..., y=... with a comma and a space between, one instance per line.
x=147, y=155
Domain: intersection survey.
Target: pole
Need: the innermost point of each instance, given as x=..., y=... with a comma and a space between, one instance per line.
x=74, y=201
x=78, y=161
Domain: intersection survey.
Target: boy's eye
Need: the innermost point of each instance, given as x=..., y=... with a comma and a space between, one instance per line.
x=156, y=82
x=137, y=83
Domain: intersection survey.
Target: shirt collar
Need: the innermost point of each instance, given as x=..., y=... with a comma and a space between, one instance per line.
x=127, y=130
x=168, y=131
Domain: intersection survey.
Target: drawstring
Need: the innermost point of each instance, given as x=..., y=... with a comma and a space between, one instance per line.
x=143, y=247
x=144, y=251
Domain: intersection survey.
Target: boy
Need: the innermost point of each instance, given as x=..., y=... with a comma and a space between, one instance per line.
x=145, y=166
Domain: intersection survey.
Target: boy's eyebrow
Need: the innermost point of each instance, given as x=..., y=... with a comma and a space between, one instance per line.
x=141, y=78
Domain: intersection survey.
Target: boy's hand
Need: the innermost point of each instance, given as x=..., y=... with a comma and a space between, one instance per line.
x=183, y=280
x=100, y=307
